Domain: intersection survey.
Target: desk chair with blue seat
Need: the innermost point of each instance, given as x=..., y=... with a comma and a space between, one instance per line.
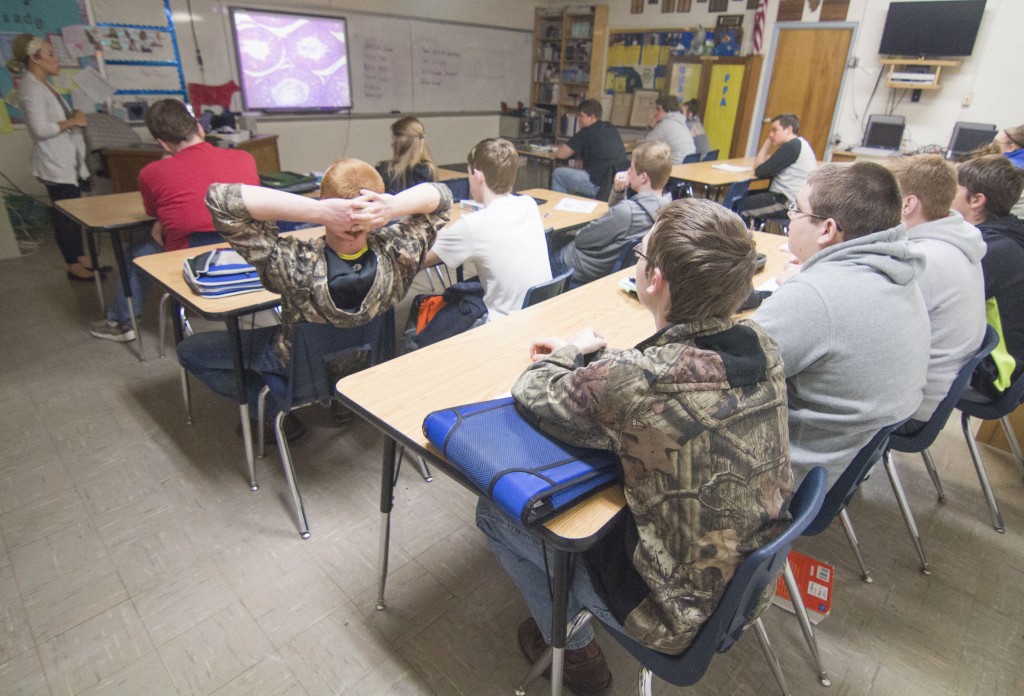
x=545, y=291
x=734, y=194
x=921, y=440
x=309, y=380
x=972, y=404
x=736, y=610
x=710, y=156
x=836, y=500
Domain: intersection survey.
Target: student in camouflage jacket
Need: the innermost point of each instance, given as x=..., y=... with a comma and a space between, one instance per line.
x=698, y=416
x=299, y=271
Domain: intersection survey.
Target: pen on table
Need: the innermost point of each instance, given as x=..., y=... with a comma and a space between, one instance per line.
x=546, y=214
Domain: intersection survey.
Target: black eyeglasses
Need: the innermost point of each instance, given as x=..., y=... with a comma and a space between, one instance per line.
x=793, y=211
x=639, y=254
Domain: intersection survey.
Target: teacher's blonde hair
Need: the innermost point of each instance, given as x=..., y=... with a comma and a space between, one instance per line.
x=24, y=47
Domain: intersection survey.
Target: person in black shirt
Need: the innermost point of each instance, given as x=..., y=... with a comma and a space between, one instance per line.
x=599, y=145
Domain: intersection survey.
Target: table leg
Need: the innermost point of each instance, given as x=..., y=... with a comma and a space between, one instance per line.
x=179, y=335
x=94, y=261
x=243, y=398
x=559, y=604
x=387, y=499
x=122, y=267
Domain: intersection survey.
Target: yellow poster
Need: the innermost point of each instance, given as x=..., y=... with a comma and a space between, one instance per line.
x=5, y=119
x=723, y=104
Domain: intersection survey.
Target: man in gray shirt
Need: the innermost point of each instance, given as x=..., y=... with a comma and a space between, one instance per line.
x=669, y=126
x=593, y=250
x=848, y=316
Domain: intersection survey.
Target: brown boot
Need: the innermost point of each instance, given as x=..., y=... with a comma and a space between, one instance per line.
x=585, y=670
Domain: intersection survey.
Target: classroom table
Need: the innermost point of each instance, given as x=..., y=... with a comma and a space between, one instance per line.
x=489, y=359
x=705, y=173
x=449, y=174
x=166, y=270
x=110, y=213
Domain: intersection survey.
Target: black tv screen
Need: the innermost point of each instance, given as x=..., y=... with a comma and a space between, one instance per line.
x=291, y=62
x=935, y=28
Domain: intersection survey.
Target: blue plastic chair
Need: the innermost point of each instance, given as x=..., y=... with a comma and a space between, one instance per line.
x=691, y=158
x=736, y=609
x=545, y=291
x=972, y=404
x=314, y=346
x=625, y=257
x=734, y=194
x=710, y=156
x=921, y=440
x=459, y=188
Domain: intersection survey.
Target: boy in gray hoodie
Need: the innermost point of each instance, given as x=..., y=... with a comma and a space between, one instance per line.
x=848, y=316
x=953, y=285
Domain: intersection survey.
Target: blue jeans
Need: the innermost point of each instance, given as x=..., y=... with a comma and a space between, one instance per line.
x=136, y=280
x=521, y=555
x=208, y=356
x=574, y=181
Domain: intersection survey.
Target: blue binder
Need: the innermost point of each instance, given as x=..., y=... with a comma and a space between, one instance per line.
x=529, y=475
x=219, y=273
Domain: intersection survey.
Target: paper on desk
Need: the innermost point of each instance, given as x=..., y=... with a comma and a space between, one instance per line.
x=94, y=85
x=726, y=167
x=575, y=205
x=770, y=285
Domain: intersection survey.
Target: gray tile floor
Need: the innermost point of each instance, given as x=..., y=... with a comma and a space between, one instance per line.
x=134, y=559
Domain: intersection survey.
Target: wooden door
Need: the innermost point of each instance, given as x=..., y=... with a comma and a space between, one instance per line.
x=806, y=80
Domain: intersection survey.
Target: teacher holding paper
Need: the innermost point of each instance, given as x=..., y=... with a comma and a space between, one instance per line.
x=58, y=152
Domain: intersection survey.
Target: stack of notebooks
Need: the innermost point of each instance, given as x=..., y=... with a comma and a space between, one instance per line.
x=220, y=273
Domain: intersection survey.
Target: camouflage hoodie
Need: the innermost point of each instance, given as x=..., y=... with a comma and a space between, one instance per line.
x=697, y=414
x=297, y=270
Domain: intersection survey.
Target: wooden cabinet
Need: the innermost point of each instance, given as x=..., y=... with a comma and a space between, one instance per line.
x=125, y=163
x=568, y=63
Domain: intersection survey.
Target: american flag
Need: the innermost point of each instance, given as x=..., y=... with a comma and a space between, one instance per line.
x=759, y=16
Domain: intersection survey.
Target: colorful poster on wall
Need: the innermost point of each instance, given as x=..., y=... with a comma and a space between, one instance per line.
x=39, y=17
x=723, y=105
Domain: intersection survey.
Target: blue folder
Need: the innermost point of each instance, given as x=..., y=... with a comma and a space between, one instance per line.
x=529, y=475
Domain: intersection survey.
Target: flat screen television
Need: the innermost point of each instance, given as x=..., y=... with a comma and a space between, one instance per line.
x=934, y=28
x=291, y=62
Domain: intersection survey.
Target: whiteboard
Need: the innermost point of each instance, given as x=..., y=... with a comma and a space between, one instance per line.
x=402, y=64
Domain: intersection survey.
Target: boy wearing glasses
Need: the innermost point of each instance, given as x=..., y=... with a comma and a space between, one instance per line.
x=697, y=413
x=848, y=316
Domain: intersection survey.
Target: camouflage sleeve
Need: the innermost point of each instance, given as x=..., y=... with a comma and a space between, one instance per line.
x=408, y=240
x=275, y=258
x=586, y=405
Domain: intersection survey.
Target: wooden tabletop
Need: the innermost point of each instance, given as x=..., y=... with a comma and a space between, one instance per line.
x=110, y=211
x=539, y=154
x=483, y=364
x=449, y=174
x=705, y=172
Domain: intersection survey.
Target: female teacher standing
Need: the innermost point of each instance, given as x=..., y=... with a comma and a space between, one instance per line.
x=58, y=151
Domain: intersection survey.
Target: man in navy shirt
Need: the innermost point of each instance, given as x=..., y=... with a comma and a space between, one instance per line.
x=599, y=145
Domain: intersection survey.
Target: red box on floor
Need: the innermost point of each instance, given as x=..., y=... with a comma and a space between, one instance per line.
x=815, y=579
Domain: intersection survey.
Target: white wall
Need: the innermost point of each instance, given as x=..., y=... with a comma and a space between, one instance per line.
x=992, y=79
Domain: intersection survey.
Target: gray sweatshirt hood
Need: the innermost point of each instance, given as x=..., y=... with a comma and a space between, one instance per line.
x=953, y=230
x=887, y=252
x=675, y=116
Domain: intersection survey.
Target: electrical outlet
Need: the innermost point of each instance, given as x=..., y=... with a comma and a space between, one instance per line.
x=967, y=99
x=853, y=62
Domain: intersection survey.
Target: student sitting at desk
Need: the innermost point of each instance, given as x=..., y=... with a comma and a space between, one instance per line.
x=668, y=125
x=357, y=271
x=173, y=191
x=411, y=162
x=599, y=145
x=691, y=110
x=787, y=167
x=698, y=406
x=594, y=249
x=505, y=241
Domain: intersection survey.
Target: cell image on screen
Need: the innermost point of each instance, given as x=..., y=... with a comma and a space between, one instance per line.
x=292, y=62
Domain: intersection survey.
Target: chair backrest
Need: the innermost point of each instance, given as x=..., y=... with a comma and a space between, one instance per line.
x=734, y=194
x=459, y=188
x=742, y=596
x=625, y=256
x=545, y=291
x=315, y=346
x=709, y=156
x=988, y=409
x=691, y=158
x=846, y=485
x=604, y=188
x=923, y=438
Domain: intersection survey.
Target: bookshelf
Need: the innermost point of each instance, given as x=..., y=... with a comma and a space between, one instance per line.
x=569, y=45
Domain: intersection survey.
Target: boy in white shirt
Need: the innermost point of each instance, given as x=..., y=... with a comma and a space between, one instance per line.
x=504, y=241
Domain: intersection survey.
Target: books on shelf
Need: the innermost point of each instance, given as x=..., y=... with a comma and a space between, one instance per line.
x=815, y=580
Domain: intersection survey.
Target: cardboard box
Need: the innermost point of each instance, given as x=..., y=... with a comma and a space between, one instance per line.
x=622, y=106
x=815, y=579
x=643, y=107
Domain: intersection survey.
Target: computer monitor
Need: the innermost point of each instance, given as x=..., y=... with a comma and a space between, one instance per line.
x=968, y=136
x=884, y=132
